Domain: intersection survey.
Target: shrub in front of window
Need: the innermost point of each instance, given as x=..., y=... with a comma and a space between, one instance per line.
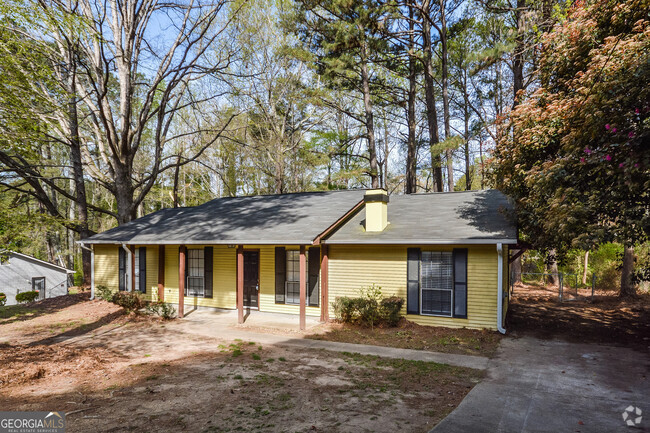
x=369, y=309
x=3, y=299
x=162, y=309
x=104, y=293
x=130, y=301
x=390, y=308
x=24, y=297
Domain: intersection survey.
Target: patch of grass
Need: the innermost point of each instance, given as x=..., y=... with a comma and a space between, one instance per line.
x=256, y=357
x=16, y=311
x=236, y=353
x=152, y=377
x=282, y=358
x=270, y=360
x=239, y=377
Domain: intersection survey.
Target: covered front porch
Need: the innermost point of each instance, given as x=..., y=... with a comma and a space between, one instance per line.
x=284, y=279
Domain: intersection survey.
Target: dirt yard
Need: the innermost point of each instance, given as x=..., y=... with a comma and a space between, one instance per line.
x=112, y=372
x=607, y=319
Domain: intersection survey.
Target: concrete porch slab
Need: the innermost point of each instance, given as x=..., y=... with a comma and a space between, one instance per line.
x=252, y=319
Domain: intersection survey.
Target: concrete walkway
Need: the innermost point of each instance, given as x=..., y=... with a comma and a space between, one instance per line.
x=551, y=386
x=222, y=325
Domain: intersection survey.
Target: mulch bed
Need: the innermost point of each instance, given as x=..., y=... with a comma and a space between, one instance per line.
x=409, y=335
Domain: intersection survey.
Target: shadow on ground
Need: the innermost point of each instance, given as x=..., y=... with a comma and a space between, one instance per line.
x=605, y=320
x=21, y=313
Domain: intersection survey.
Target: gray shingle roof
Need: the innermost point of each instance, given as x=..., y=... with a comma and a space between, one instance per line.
x=459, y=217
x=438, y=218
x=265, y=219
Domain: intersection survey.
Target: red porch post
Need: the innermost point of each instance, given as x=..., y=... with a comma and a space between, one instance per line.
x=161, y=273
x=181, y=280
x=303, y=287
x=324, y=304
x=240, y=284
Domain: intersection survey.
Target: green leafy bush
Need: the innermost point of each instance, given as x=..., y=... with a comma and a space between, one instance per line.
x=130, y=301
x=104, y=293
x=390, y=308
x=369, y=309
x=3, y=299
x=162, y=309
x=30, y=296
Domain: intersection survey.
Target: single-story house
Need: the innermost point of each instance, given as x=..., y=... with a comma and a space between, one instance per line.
x=446, y=254
x=22, y=273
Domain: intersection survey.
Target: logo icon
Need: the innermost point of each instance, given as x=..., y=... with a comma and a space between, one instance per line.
x=632, y=416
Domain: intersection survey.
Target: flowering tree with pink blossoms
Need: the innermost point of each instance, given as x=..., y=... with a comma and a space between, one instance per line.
x=577, y=153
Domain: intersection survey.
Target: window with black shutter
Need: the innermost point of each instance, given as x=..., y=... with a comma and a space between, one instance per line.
x=437, y=282
x=141, y=272
x=280, y=274
x=313, y=270
x=292, y=292
x=460, y=282
x=195, y=268
x=207, y=255
x=122, y=269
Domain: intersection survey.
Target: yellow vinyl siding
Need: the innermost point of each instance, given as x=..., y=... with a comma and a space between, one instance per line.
x=223, y=278
x=267, y=283
x=352, y=267
x=171, y=274
x=107, y=266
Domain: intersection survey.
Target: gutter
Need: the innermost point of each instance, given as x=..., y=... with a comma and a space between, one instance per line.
x=92, y=268
x=500, y=327
x=129, y=261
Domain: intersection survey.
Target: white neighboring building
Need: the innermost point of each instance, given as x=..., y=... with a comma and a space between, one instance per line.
x=22, y=273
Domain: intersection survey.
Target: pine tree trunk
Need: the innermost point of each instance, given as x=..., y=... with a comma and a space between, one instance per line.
x=518, y=56
x=584, y=272
x=449, y=153
x=468, y=174
x=627, y=287
x=370, y=126
x=432, y=112
x=411, y=153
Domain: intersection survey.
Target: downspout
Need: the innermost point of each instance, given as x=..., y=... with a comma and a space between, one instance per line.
x=92, y=269
x=129, y=260
x=500, y=327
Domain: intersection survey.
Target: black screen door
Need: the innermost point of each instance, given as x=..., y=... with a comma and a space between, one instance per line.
x=251, y=278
